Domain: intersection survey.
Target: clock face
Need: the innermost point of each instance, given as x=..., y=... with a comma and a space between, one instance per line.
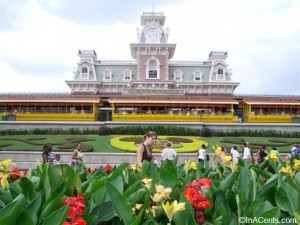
x=152, y=34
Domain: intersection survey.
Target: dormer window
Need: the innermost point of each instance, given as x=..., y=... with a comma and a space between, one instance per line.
x=178, y=75
x=197, y=76
x=107, y=75
x=127, y=75
x=153, y=69
x=84, y=73
x=220, y=74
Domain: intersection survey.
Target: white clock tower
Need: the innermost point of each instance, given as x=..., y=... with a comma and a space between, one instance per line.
x=152, y=52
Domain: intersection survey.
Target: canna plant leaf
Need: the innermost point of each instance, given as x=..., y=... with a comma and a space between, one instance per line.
x=121, y=204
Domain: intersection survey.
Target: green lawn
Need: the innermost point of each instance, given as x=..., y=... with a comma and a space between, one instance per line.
x=101, y=143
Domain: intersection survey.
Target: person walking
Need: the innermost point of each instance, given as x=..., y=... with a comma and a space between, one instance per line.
x=261, y=154
x=168, y=152
x=235, y=154
x=77, y=156
x=47, y=154
x=144, y=151
x=201, y=153
x=246, y=152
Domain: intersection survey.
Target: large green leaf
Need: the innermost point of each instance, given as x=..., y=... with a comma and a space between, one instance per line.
x=270, y=217
x=98, y=195
x=268, y=187
x=227, y=183
x=10, y=213
x=249, y=211
x=51, y=206
x=221, y=208
x=57, y=217
x=27, y=189
x=288, y=196
x=25, y=219
x=141, y=196
x=168, y=177
x=138, y=219
x=121, y=204
x=105, y=212
x=34, y=207
x=117, y=172
x=262, y=208
x=285, y=201
x=151, y=171
x=297, y=179
x=244, y=185
x=66, y=175
x=58, y=192
x=132, y=188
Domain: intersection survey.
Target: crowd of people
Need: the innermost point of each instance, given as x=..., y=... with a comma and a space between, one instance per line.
x=51, y=158
x=144, y=152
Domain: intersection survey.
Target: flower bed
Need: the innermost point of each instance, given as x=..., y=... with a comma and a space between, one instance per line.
x=180, y=144
x=188, y=194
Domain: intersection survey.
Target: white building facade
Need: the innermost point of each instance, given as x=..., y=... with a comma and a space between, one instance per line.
x=151, y=70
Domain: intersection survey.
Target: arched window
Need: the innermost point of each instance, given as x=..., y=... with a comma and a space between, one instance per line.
x=127, y=75
x=197, y=76
x=107, y=75
x=220, y=75
x=84, y=73
x=153, y=69
x=178, y=75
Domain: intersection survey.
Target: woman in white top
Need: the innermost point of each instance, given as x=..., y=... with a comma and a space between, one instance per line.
x=77, y=156
x=201, y=153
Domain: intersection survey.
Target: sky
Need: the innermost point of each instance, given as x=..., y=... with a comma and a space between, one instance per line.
x=40, y=39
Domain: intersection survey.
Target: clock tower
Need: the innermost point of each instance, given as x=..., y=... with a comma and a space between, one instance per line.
x=152, y=52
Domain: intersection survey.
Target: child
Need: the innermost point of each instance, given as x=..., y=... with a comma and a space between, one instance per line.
x=57, y=159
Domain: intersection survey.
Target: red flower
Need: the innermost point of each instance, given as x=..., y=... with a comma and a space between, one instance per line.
x=75, y=221
x=202, y=205
x=76, y=206
x=201, y=184
x=16, y=173
x=194, y=195
x=107, y=168
x=196, y=199
x=199, y=216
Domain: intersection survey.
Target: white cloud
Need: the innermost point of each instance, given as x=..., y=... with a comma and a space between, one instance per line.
x=261, y=37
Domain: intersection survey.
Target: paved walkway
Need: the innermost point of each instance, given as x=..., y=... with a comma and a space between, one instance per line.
x=26, y=160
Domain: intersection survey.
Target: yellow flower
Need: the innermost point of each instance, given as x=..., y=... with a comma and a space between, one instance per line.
x=153, y=209
x=296, y=164
x=274, y=157
x=161, y=193
x=137, y=207
x=218, y=151
x=226, y=159
x=3, y=178
x=190, y=165
x=170, y=210
x=135, y=167
x=288, y=170
x=147, y=182
x=5, y=163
